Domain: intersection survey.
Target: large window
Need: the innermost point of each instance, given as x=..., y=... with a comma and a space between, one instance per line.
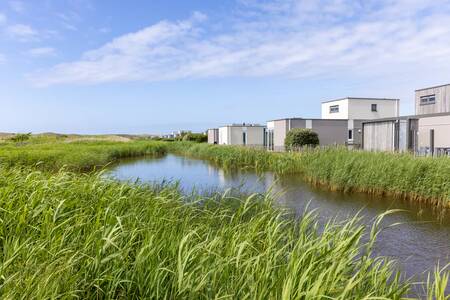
x=374, y=108
x=430, y=99
x=334, y=109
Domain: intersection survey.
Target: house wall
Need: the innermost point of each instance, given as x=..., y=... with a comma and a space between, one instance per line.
x=331, y=131
x=223, y=135
x=441, y=126
x=279, y=133
x=362, y=109
x=213, y=136
x=343, y=109
x=379, y=136
x=255, y=136
x=442, y=104
x=233, y=135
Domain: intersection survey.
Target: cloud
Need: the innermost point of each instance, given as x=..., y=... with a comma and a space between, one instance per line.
x=42, y=52
x=17, y=6
x=289, y=38
x=22, y=32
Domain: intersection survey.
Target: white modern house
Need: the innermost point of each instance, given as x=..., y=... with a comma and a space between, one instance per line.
x=357, y=109
x=242, y=134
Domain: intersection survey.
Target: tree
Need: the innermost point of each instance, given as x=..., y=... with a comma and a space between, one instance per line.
x=299, y=137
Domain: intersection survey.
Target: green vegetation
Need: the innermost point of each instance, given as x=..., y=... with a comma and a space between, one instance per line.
x=401, y=175
x=80, y=236
x=299, y=137
x=75, y=235
x=20, y=137
x=76, y=156
x=195, y=137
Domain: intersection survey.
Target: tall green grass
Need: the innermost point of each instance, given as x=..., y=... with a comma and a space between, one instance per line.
x=69, y=235
x=76, y=156
x=400, y=175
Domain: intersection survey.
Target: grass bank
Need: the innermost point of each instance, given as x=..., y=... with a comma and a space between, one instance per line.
x=75, y=156
x=67, y=235
x=400, y=175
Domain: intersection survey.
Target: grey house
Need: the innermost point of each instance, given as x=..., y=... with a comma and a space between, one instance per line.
x=330, y=131
x=426, y=132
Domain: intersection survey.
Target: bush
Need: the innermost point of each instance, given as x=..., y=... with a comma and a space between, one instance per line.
x=21, y=137
x=195, y=137
x=299, y=137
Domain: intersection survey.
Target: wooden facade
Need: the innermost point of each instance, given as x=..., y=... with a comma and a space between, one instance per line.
x=441, y=104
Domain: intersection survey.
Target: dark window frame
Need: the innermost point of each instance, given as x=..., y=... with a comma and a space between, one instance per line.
x=334, y=109
x=374, y=107
x=428, y=99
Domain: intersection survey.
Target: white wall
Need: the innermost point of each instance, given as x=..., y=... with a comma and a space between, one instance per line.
x=343, y=110
x=362, y=109
x=223, y=135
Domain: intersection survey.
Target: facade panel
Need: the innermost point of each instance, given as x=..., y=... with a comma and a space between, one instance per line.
x=433, y=100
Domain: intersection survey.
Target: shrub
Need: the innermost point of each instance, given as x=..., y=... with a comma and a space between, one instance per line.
x=21, y=137
x=195, y=137
x=299, y=137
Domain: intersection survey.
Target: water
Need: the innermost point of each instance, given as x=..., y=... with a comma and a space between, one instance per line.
x=418, y=243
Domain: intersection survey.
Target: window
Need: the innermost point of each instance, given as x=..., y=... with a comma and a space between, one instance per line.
x=374, y=108
x=334, y=109
x=350, y=134
x=430, y=99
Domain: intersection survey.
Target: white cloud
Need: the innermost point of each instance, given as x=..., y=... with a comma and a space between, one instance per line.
x=42, y=52
x=293, y=38
x=22, y=32
x=17, y=6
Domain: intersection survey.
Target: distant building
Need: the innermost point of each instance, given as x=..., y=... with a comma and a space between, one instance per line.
x=242, y=134
x=357, y=109
x=213, y=135
x=330, y=132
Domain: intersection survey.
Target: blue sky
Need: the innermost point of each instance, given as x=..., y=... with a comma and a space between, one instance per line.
x=86, y=66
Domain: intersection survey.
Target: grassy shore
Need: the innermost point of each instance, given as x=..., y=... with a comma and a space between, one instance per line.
x=400, y=175
x=74, y=155
x=70, y=235
x=79, y=235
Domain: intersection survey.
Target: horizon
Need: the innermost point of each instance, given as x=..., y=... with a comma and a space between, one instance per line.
x=108, y=67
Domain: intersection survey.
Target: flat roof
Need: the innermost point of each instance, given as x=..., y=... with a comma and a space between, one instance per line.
x=410, y=117
x=313, y=119
x=243, y=125
x=362, y=98
x=433, y=87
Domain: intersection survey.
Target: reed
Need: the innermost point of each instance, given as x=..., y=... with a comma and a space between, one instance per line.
x=400, y=175
x=67, y=235
x=52, y=155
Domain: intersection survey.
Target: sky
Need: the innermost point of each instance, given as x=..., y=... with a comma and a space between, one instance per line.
x=151, y=67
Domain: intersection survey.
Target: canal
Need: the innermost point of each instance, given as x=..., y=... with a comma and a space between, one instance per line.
x=415, y=237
